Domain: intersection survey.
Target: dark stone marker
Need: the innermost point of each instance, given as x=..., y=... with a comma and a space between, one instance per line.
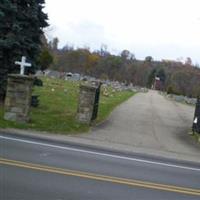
x=18, y=98
x=196, y=122
x=96, y=102
x=35, y=101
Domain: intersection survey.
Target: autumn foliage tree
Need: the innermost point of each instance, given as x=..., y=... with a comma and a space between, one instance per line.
x=176, y=77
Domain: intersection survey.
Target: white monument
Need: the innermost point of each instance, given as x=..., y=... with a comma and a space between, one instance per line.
x=23, y=64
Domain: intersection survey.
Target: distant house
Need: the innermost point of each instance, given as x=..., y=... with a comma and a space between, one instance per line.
x=158, y=84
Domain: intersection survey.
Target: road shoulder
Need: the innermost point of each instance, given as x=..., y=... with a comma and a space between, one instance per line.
x=101, y=145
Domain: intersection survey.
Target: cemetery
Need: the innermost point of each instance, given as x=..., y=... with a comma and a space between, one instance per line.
x=116, y=85
x=58, y=106
x=82, y=87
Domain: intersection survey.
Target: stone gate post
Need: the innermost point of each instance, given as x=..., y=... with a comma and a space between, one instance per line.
x=18, y=98
x=86, y=103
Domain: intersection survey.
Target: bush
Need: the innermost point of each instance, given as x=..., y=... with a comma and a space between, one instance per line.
x=38, y=82
x=170, y=90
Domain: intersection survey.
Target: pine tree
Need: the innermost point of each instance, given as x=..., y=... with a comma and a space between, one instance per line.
x=21, y=28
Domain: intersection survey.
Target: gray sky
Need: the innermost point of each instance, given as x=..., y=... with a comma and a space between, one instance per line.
x=167, y=29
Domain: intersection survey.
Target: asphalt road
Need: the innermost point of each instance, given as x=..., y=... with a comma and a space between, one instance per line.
x=34, y=169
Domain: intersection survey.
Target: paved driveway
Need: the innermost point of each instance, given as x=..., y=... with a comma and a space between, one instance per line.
x=150, y=122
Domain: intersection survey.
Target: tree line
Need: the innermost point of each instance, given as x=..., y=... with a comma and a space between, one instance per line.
x=177, y=77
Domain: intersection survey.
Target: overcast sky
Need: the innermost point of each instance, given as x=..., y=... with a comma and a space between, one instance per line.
x=167, y=29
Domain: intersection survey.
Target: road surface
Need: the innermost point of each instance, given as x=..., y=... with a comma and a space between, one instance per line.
x=37, y=169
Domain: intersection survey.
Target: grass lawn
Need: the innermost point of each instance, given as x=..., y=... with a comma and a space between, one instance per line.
x=58, y=105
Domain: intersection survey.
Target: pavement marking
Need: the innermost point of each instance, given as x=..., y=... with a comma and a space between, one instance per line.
x=100, y=154
x=98, y=177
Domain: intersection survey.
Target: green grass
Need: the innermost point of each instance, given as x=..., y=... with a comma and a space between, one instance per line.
x=196, y=136
x=108, y=104
x=58, y=105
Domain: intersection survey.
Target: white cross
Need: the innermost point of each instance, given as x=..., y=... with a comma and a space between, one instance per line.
x=23, y=64
x=195, y=120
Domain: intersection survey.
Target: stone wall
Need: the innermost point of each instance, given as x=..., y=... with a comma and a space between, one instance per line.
x=182, y=99
x=18, y=98
x=86, y=103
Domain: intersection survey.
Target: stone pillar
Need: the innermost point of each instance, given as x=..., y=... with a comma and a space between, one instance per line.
x=18, y=98
x=86, y=103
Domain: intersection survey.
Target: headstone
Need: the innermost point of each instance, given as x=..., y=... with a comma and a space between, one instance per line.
x=105, y=92
x=73, y=77
x=18, y=98
x=35, y=101
x=88, y=99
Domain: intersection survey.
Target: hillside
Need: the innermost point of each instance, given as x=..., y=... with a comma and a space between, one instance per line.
x=176, y=77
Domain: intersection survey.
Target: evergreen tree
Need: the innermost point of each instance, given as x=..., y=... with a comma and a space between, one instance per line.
x=21, y=24
x=151, y=78
x=161, y=74
x=45, y=59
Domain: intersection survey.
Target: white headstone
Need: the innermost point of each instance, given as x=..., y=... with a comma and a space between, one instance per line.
x=23, y=64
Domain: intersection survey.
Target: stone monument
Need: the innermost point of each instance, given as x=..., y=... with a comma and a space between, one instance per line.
x=18, y=95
